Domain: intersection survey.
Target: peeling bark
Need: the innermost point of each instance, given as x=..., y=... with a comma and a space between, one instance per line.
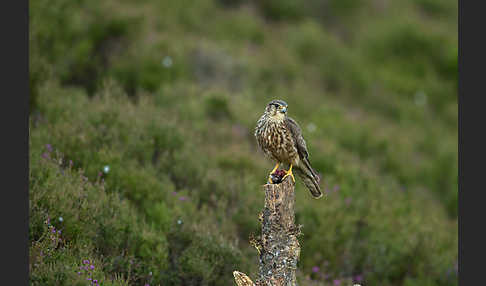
x=242, y=279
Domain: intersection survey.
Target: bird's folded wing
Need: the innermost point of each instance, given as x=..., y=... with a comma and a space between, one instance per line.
x=298, y=138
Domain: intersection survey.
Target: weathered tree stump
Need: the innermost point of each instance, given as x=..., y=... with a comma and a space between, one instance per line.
x=280, y=248
x=277, y=246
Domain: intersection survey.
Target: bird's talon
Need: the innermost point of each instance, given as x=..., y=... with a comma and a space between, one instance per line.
x=289, y=173
x=270, y=181
x=272, y=172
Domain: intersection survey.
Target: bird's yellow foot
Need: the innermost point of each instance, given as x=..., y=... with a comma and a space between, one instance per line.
x=289, y=173
x=273, y=171
x=270, y=179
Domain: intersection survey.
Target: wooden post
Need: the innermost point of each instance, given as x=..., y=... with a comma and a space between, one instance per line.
x=278, y=246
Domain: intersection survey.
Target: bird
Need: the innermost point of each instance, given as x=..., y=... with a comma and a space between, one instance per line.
x=280, y=138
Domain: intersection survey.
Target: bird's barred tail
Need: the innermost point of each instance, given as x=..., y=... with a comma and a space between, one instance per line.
x=310, y=179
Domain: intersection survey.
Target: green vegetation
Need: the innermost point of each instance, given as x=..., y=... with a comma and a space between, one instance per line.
x=142, y=152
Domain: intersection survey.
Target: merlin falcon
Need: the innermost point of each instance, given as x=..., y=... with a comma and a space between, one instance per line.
x=280, y=138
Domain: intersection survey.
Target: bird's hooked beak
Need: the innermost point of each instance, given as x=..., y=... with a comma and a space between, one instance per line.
x=284, y=109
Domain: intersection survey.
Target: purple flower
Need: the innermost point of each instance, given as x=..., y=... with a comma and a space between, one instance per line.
x=146, y=284
x=89, y=278
x=79, y=273
x=315, y=269
x=86, y=261
x=182, y=198
x=91, y=267
x=358, y=278
x=45, y=155
x=59, y=231
x=336, y=282
x=174, y=193
x=336, y=188
x=95, y=281
x=49, y=147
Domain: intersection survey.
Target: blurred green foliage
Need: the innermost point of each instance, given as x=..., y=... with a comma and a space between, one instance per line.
x=141, y=138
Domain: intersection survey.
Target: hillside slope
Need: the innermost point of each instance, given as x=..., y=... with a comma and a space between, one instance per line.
x=142, y=151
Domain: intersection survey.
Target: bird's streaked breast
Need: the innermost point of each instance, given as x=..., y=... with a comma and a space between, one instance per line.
x=275, y=140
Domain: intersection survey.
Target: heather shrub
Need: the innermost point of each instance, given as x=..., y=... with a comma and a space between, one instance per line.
x=142, y=151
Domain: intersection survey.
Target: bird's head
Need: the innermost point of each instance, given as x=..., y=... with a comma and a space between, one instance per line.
x=276, y=109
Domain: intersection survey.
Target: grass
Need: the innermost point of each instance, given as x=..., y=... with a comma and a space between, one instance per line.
x=141, y=139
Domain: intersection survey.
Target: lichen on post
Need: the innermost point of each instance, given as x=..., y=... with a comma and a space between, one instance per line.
x=277, y=246
x=280, y=248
